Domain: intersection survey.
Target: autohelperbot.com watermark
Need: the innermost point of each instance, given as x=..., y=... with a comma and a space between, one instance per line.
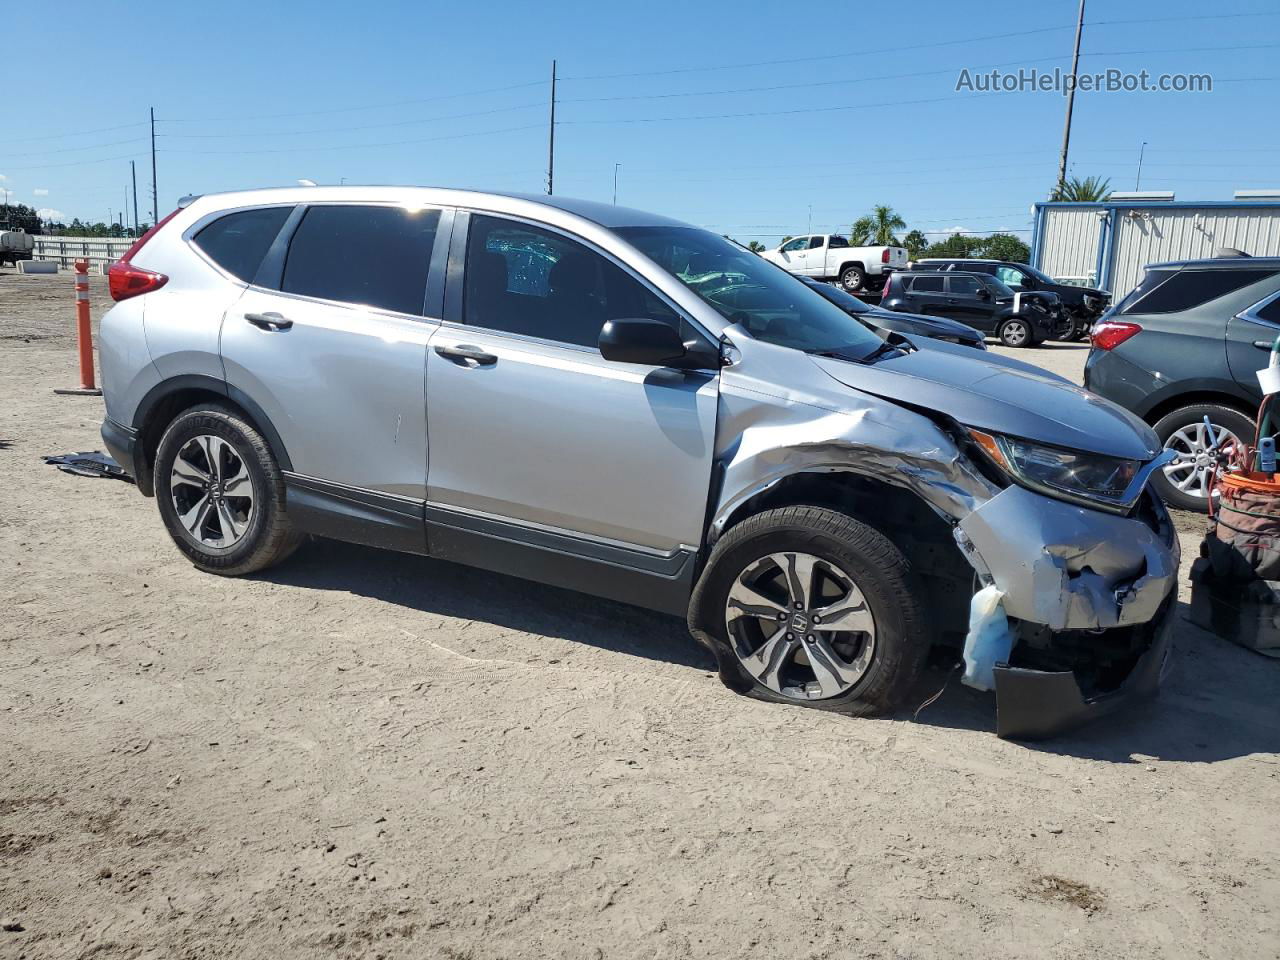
x=1113, y=80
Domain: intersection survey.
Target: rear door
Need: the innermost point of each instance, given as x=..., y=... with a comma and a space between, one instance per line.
x=330, y=341
x=534, y=433
x=1250, y=337
x=927, y=294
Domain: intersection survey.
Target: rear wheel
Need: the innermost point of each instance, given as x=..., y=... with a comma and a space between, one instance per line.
x=1016, y=332
x=1185, y=482
x=852, y=278
x=221, y=494
x=806, y=605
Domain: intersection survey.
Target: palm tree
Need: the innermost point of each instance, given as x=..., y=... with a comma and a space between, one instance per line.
x=755, y=246
x=916, y=243
x=860, y=232
x=1089, y=190
x=877, y=227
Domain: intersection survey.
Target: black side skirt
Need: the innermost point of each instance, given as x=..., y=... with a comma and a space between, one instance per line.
x=356, y=515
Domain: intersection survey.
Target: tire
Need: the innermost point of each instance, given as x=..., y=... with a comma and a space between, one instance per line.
x=1016, y=332
x=852, y=278
x=1182, y=486
x=869, y=669
x=246, y=509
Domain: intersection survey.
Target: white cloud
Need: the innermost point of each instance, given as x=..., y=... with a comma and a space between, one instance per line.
x=947, y=232
x=3, y=177
x=48, y=213
x=40, y=192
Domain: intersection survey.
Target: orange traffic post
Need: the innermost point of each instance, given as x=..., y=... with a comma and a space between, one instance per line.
x=84, y=335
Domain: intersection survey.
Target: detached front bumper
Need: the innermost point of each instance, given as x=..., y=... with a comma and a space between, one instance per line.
x=1089, y=597
x=1034, y=704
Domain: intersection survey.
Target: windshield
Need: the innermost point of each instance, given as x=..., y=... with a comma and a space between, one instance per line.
x=998, y=286
x=745, y=289
x=1042, y=277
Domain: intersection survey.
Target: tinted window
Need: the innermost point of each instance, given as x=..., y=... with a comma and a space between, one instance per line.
x=815, y=243
x=373, y=256
x=1185, y=289
x=927, y=285
x=238, y=242
x=838, y=242
x=963, y=286
x=768, y=302
x=526, y=280
x=1271, y=312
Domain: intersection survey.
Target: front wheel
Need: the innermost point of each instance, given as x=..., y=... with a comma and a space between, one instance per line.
x=806, y=605
x=852, y=278
x=221, y=494
x=1185, y=482
x=1016, y=332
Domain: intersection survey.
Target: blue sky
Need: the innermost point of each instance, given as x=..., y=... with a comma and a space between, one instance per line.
x=749, y=118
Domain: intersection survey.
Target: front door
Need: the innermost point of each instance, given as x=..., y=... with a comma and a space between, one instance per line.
x=333, y=348
x=533, y=433
x=927, y=294
x=964, y=303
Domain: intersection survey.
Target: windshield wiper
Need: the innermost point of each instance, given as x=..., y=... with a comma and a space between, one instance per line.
x=847, y=353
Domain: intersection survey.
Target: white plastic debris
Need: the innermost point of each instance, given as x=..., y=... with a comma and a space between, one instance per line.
x=1269, y=378
x=989, y=640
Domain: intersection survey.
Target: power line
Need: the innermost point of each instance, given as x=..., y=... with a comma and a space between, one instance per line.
x=844, y=81
x=81, y=133
x=365, y=146
x=371, y=126
x=92, y=146
x=901, y=49
x=361, y=107
x=831, y=56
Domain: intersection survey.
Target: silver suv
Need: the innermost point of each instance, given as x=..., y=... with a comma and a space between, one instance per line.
x=612, y=401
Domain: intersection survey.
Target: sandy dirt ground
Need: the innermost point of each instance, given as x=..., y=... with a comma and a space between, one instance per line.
x=361, y=754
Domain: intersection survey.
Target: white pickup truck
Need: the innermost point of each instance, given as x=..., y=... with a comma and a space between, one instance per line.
x=828, y=256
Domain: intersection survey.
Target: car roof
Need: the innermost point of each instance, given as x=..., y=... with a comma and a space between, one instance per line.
x=603, y=214
x=1221, y=263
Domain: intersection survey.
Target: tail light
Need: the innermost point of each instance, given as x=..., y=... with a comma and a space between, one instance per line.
x=884, y=255
x=1112, y=333
x=125, y=280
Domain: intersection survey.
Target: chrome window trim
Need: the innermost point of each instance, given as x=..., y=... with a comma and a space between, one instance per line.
x=626, y=268
x=1250, y=314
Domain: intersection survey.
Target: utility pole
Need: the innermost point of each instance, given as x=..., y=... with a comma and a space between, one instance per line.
x=810, y=218
x=133, y=172
x=615, y=183
x=155, y=190
x=1137, y=183
x=551, y=146
x=1071, y=99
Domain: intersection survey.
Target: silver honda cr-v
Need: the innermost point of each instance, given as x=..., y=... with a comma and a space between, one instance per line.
x=603, y=399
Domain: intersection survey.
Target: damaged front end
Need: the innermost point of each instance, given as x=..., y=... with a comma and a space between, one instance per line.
x=1089, y=598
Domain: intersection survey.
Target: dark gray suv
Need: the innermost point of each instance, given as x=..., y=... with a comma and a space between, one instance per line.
x=1183, y=345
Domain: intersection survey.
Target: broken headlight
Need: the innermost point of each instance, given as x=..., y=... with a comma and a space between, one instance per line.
x=1066, y=474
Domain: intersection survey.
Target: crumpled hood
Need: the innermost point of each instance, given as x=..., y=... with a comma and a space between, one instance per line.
x=989, y=396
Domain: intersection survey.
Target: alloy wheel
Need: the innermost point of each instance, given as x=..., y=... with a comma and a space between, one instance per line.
x=212, y=491
x=800, y=625
x=1194, y=466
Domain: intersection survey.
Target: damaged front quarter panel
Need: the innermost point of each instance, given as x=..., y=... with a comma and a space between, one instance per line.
x=767, y=432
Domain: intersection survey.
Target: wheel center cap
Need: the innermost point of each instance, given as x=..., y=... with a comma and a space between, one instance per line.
x=800, y=622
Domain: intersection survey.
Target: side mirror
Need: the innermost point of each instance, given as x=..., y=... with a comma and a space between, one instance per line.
x=984, y=293
x=642, y=340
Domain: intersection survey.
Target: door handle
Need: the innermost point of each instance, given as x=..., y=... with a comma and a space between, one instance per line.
x=464, y=352
x=1263, y=344
x=268, y=321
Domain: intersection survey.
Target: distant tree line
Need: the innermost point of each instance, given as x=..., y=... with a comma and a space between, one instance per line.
x=19, y=216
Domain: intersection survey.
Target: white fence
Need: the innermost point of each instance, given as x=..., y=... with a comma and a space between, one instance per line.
x=99, y=251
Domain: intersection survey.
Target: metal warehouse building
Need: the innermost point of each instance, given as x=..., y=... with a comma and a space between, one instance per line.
x=1107, y=244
